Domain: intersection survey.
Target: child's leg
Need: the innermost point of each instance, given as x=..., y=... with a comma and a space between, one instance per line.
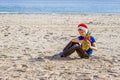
x=82, y=53
x=70, y=50
x=69, y=45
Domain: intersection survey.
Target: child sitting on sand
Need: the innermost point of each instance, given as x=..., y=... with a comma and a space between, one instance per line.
x=84, y=44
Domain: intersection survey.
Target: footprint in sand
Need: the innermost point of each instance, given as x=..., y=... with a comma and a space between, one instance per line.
x=96, y=77
x=3, y=56
x=37, y=59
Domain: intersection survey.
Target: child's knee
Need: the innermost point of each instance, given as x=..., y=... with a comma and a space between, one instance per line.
x=76, y=46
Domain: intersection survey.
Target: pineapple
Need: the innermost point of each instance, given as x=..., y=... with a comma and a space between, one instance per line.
x=86, y=42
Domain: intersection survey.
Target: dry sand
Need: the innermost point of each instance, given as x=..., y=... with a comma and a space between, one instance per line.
x=27, y=42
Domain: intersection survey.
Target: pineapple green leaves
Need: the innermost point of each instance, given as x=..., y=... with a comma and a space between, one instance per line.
x=88, y=33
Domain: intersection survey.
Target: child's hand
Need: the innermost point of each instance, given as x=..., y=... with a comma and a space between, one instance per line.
x=89, y=44
x=75, y=40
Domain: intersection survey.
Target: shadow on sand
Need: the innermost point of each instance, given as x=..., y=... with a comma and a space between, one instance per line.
x=51, y=58
x=60, y=58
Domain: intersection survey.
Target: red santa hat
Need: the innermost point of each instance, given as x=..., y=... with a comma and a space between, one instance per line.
x=83, y=27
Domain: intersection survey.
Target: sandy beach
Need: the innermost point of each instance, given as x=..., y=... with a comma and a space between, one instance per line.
x=27, y=42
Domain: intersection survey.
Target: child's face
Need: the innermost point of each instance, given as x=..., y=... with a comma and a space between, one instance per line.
x=81, y=32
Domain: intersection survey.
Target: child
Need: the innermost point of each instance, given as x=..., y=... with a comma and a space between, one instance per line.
x=76, y=44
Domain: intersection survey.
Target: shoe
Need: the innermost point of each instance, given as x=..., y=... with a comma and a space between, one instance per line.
x=58, y=55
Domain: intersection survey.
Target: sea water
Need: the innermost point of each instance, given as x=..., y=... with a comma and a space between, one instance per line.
x=60, y=6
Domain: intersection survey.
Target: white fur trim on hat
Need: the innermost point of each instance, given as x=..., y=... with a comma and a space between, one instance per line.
x=83, y=28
